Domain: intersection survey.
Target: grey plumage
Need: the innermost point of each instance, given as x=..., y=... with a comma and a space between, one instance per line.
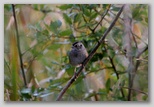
x=77, y=54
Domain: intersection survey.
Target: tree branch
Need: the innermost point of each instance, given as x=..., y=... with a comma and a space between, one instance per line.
x=135, y=90
x=127, y=45
x=18, y=46
x=89, y=57
x=139, y=52
x=114, y=68
x=115, y=71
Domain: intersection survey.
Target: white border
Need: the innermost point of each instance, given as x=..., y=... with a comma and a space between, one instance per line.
x=88, y=104
x=79, y=1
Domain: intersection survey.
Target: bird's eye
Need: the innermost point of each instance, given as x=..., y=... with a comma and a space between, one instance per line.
x=80, y=45
x=75, y=45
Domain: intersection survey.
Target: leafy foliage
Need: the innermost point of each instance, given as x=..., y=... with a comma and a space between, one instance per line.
x=46, y=34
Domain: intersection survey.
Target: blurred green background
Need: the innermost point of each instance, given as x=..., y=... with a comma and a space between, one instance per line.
x=45, y=35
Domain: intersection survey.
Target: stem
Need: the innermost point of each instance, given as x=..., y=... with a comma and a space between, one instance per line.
x=135, y=90
x=114, y=68
x=102, y=18
x=18, y=46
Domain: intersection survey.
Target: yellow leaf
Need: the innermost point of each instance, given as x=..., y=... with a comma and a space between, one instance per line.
x=137, y=31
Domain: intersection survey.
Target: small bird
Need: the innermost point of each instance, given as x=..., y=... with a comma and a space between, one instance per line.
x=77, y=54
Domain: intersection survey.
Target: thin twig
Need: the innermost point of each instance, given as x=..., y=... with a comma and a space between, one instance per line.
x=102, y=18
x=115, y=15
x=135, y=41
x=139, y=53
x=135, y=90
x=114, y=68
x=139, y=59
x=18, y=45
x=139, y=38
x=115, y=71
x=89, y=57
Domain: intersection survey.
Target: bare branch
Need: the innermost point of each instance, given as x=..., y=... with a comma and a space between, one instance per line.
x=127, y=44
x=89, y=57
x=18, y=45
x=114, y=68
x=139, y=38
x=135, y=90
x=139, y=52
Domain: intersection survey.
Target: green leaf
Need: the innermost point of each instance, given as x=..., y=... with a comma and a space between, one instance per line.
x=108, y=84
x=93, y=15
x=135, y=13
x=97, y=57
x=72, y=38
x=26, y=93
x=35, y=6
x=77, y=17
x=47, y=26
x=92, y=6
x=55, y=85
x=114, y=8
x=145, y=98
x=7, y=7
x=26, y=90
x=65, y=6
x=54, y=46
x=57, y=82
x=38, y=6
x=70, y=70
x=38, y=26
x=103, y=94
x=102, y=30
x=121, y=99
x=55, y=25
x=78, y=80
x=47, y=94
x=33, y=89
x=14, y=68
x=45, y=32
x=67, y=19
x=86, y=12
x=59, y=23
x=65, y=32
x=105, y=6
x=26, y=96
x=54, y=62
